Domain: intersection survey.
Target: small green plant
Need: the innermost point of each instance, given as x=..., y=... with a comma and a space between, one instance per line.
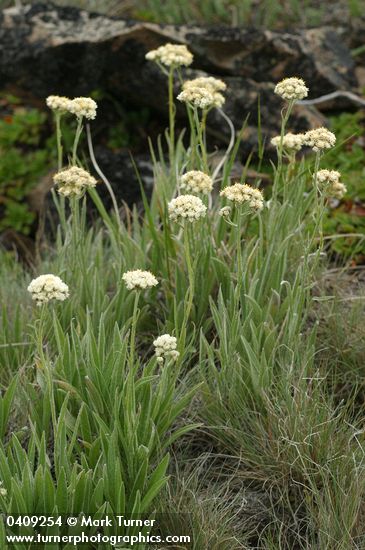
x=123, y=133
x=345, y=221
x=24, y=158
x=232, y=12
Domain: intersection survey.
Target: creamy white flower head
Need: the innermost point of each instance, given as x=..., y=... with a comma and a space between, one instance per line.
x=219, y=100
x=329, y=181
x=198, y=97
x=83, y=107
x=196, y=181
x=319, y=139
x=73, y=181
x=241, y=193
x=337, y=190
x=186, y=208
x=327, y=177
x=291, y=89
x=225, y=212
x=48, y=287
x=58, y=103
x=165, y=348
x=139, y=280
x=291, y=142
x=211, y=84
x=171, y=55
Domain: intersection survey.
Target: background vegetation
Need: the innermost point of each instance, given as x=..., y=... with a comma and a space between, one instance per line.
x=267, y=13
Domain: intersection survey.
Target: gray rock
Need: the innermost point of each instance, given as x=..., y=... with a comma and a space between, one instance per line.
x=46, y=49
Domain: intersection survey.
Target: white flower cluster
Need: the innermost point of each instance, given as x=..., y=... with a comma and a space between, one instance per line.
x=327, y=177
x=211, y=84
x=291, y=89
x=337, y=190
x=241, y=193
x=79, y=106
x=58, y=103
x=73, y=181
x=171, y=55
x=196, y=181
x=165, y=348
x=319, y=139
x=215, y=84
x=225, y=212
x=83, y=107
x=139, y=280
x=186, y=208
x=291, y=142
x=198, y=97
x=329, y=180
x=48, y=287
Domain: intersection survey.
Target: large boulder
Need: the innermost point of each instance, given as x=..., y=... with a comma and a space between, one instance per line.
x=47, y=49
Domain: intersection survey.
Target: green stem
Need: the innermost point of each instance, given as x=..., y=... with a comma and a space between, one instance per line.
x=191, y=290
x=76, y=140
x=315, y=179
x=284, y=121
x=193, y=137
x=319, y=205
x=59, y=141
x=59, y=166
x=239, y=250
x=132, y=345
x=318, y=214
x=200, y=126
x=171, y=115
x=75, y=221
x=39, y=335
x=203, y=136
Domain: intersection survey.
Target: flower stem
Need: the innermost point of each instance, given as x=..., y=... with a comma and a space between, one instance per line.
x=59, y=165
x=45, y=365
x=191, y=289
x=319, y=204
x=76, y=140
x=132, y=344
x=239, y=250
x=200, y=126
x=75, y=230
x=59, y=141
x=171, y=115
x=284, y=121
x=193, y=137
